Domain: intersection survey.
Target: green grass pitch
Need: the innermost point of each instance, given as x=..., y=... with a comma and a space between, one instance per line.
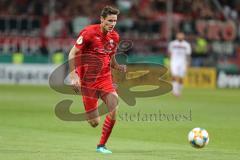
x=29, y=129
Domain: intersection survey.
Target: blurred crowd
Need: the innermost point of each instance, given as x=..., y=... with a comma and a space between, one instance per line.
x=63, y=18
x=144, y=21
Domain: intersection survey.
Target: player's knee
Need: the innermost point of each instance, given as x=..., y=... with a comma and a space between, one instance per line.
x=114, y=101
x=114, y=104
x=111, y=100
x=112, y=108
x=94, y=122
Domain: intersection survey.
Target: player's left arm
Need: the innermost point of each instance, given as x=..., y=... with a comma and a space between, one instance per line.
x=116, y=66
x=189, y=52
x=114, y=63
x=189, y=60
x=169, y=50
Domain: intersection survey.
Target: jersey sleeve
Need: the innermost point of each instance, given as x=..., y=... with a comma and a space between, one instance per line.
x=83, y=40
x=112, y=45
x=117, y=40
x=189, y=49
x=169, y=49
x=81, y=43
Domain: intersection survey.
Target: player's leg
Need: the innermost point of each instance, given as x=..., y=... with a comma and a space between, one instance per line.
x=90, y=101
x=111, y=101
x=93, y=118
x=180, y=85
x=182, y=72
x=175, y=83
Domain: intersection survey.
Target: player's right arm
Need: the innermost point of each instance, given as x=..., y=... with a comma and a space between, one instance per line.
x=169, y=50
x=189, y=51
x=74, y=54
x=71, y=60
x=116, y=66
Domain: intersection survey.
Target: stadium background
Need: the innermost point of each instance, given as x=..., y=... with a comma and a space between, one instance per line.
x=36, y=36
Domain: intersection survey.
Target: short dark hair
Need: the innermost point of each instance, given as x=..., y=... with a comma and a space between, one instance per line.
x=109, y=10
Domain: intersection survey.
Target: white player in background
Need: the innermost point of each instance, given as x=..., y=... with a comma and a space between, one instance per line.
x=179, y=51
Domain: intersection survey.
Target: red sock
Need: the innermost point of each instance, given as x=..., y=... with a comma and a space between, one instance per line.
x=106, y=130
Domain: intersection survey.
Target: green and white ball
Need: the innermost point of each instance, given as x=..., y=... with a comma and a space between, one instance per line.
x=198, y=137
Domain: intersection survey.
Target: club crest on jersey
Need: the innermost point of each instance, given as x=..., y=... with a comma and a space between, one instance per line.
x=80, y=40
x=110, y=46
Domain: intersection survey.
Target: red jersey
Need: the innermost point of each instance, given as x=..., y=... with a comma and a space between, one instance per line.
x=96, y=50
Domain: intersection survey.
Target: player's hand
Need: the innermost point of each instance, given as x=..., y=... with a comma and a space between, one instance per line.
x=75, y=82
x=122, y=68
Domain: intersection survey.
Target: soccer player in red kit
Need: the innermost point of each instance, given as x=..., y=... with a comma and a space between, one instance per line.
x=90, y=61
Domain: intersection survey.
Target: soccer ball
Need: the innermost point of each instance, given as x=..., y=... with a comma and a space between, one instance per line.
x=198, y=137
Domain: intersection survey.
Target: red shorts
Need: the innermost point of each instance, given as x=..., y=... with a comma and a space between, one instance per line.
x=91, y=93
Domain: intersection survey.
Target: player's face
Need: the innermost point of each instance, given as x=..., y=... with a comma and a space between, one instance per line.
x=109, y=22
x=180, y=36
